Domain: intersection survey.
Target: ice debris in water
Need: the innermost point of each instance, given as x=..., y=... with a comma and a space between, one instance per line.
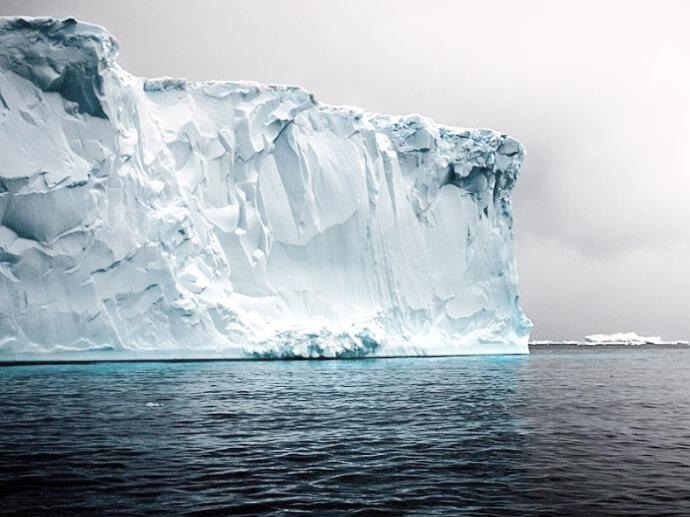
x=165, y=218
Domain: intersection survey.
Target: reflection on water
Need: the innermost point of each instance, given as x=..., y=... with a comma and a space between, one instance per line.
x=563, y=431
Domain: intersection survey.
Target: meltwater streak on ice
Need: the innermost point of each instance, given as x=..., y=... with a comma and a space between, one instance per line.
x=165, y=218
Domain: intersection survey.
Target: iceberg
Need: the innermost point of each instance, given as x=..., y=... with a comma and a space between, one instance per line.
x=163, y=218
x=616, y=339
x=623, y=338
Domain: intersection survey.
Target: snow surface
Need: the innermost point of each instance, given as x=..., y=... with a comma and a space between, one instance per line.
x=166, y=218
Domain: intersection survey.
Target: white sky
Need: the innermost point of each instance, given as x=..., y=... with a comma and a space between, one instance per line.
x=598, y=92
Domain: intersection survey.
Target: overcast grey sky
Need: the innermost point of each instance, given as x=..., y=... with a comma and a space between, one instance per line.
x=597, y=91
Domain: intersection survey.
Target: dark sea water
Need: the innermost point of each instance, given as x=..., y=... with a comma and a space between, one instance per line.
x=564, y=431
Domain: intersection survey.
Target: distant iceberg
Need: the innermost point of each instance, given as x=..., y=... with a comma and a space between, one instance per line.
x=621, y=338
x=171, y=219
x=627, y=338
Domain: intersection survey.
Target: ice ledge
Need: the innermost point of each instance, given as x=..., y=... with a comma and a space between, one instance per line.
x=8, y=359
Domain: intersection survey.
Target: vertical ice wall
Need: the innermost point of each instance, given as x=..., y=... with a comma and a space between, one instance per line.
x=164, y=218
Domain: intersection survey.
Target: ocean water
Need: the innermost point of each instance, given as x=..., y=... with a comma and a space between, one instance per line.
x=568, y=431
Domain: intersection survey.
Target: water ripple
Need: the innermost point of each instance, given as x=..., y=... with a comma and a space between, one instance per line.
x=561, y=432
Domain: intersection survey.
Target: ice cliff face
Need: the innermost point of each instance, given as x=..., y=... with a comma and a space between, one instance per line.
x=165, y=218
